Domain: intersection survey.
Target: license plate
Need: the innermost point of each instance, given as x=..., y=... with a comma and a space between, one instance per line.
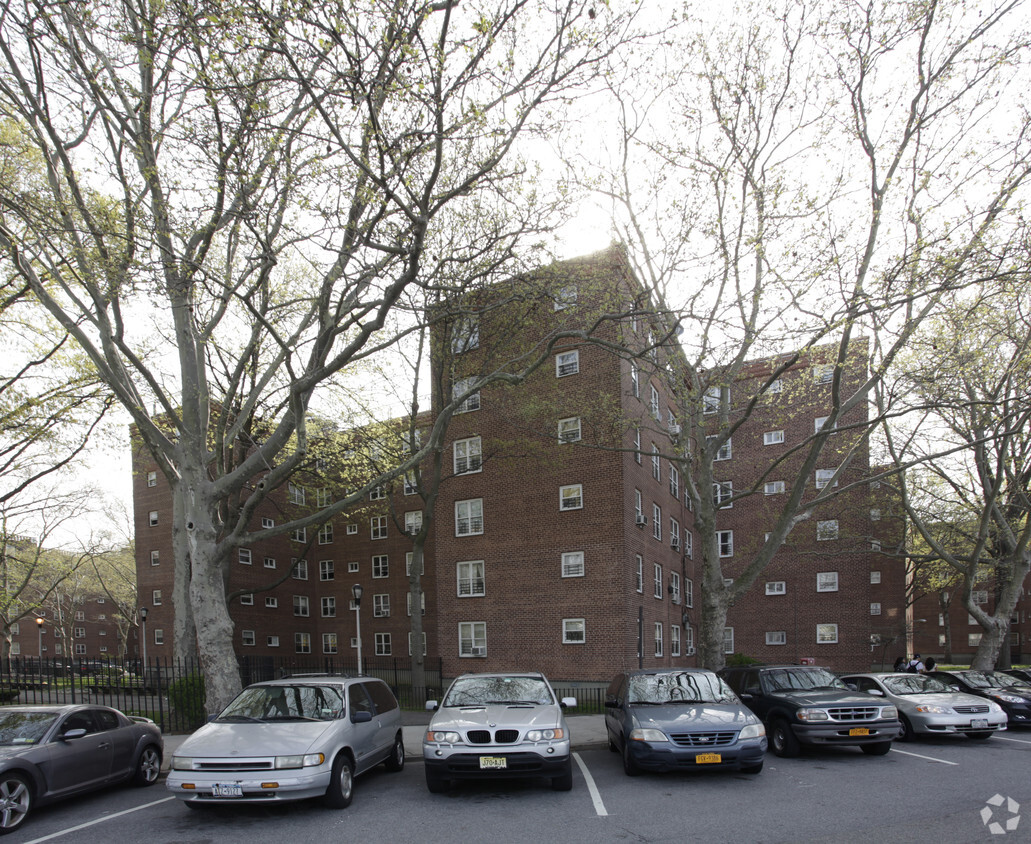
x=979, y=723
x=493, y=763
x=708, y=758
x=220, y=789
x=859, y=731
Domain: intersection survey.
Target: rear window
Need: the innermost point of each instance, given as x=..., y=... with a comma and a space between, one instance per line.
x=381, y=696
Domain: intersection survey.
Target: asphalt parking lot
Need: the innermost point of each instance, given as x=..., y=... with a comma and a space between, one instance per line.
x=941, y=789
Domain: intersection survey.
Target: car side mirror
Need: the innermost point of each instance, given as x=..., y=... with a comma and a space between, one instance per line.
x=746, y=695
x=361, y=717
x=568, y=702
x=78, y=732
x=852, y=686
x=875, y=692
x=612, y=703
x=432, y=706
x=954, y=688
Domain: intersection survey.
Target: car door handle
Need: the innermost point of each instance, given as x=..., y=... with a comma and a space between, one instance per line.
x=104, y=745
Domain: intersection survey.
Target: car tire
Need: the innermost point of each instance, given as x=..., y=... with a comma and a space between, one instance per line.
x=906, y=733
x=564, y=781
x=878, y=749
x=341, y=783
x=435, y=784
x=980, y=735
x=15, y=802
x=148, y=766
x=753, y=769
x=396, y=760
x=629, y=765
x=784, y=742
x=612, y=745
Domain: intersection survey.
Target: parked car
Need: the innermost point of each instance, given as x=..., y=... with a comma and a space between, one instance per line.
x=674, y=720
x=1007, y=691
x=928, y=706
x=291, y=739
x=51, y=752
x=808, y=705
x=498, y=726
x=1022, y=674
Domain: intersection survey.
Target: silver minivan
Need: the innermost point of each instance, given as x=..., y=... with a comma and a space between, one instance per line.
x=291, y=739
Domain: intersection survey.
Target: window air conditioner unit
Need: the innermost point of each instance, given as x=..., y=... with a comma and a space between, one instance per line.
x=675, y=544
x=642, y=520
x=674, y=429
x=478, y=651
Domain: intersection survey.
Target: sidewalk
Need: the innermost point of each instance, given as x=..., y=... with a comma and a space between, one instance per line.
x=586, y=731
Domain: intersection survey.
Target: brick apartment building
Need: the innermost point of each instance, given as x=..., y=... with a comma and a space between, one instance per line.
x=930, y=621
x=562, y=540
x=86, y=626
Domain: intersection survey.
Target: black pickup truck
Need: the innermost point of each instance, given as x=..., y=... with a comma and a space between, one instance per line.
x=803, y=704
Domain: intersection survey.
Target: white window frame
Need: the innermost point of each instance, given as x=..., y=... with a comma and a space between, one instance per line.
x=658, y=581
x=657, y=522
x=465, y=334
x=725, y=542
x=271, y=602
x=330, y=643
x=471, y=402
x=248, y=639
x=571, y=497
x=776, y=587
x=674, y=586
x=823, y=373
x=565, y=297
x=467, y=456
x=470, y=636
x=471, y=523
x=327, y=570
x=569, y=430
x=413, y=522
x=826, y=634
x=674, y=533
x=728, y=640
x=246, y=599
x=823, y=477
x=875, y=576
x=573, y=564
x=466, y=575
x=773, y=488
x=773, y=437
x=658, y=638
x=827, y=581
x=574, y=631
x=826, y=530
x=302, y=606
x=875, y=608
x=567, y=363
x=722, y=491
x=656, y=464
x=654, y=404
x=776, y=637
x=328, y=606
x=383, y=644
x=674, y=481
x=639, y=574
x=378, y=527
x=380, y=566
x=326, y=534
x=381, y=605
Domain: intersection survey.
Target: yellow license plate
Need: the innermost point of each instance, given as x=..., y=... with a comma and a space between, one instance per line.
x=708, y=758
x=493, y=763
x=859, y=731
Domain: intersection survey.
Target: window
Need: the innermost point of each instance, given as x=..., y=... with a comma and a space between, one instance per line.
x=657, y=522
x=826, y=634
x=823, y=373
x=472, y=638
x=654, y=404
x=688, y=641
x=569, y=430
x=469, y=517
x=674, y=640
x=409, y=485
x=271, y=602
x=688, y=592
x=79, y=616
x=819, y=423
x=328, y=606
x=875, y=608
x=567, y=363
x=875, y=577
x=301, y=605
x=635, y=382
x=270, y=562
x=380, y=606
x=80, y=650
x=300, y=569
x=826, y=529
x=827, y=581
x=159, y=636
x=725, y=541
x=573, y=564
x=689, y=544
x=776, y=386
x=383, y=647
x=980, y=597
x=246, y=600
x=378, y=527
x=326, y=534
x=267, y=523
x=639, y=508
x=408, y=602
x=773, y=437
x=380, y=566
x=973, y=639
x=295, y=494
x=272, y=641
x=565, y=296
x=658, y=638
x=80, y=632
x=410, y=644
x=302, y=643
x=377, y=493
x=674, y=533
x=468, y=456
x=823, y=477
x=466, y=334
x=656, y=465
x=299, y=534
x=322, y=495
x=152, y=478
x=153, y=517
x=722, y=492
x=711, y=398
x=327, y=570
x=247, y=638
x=773, y=487
x=875, y=515
x=352, y=530
x=776, y=587
x=352, y=567
x=329, y=643
x=674, y=481
x=674, y=586
x=571, y=497
x=155, y=558
x=573, y=631
x=875, y=545
x=724, y=452
x=470, y=402
x=728, y=640
x=657, y=591
x=776, y=637
x=639, y=574
x=413, y=522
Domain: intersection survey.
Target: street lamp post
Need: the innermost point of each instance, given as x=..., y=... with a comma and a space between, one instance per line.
x=143, y=626
x=356, y=591
x=39, y=627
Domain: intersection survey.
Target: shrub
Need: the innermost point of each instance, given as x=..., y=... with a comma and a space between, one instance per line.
x=186, y=700
x=742, y=659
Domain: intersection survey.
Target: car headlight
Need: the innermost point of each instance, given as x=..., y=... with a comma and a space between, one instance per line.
x=1008, y=698
x=994, y=707
x=812, y=715
x=299, y=761
x=932, y=709
x=443, y=736
x=647, y=735
x=182, y=763
x=889, y=713
x=752, y=731
x=546, y=735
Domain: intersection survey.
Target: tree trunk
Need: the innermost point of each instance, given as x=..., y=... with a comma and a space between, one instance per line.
x=713, y=623
x=992, y=636
x=184, y=638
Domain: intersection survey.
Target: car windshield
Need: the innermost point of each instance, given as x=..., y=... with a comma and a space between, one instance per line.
x=302, y=702
x=1011, y=680
x=479, y=691
x=804, y=679
x=678, y=687
x=24, y=727
x=984, y=680
x=912, y=684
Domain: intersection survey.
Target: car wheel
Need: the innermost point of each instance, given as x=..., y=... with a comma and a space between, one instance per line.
x=435, y=784
x=396, y=760
x=906, y=733
x=341, y=783
x=15, y=802
x=878, y=749
x=980, y=735
x=564, y=781
x=629, y=765
x=753, y=769
x=148, y=766
x=783, y=740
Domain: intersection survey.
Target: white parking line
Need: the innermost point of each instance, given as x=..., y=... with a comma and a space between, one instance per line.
x=599, y=807
x=98, y=820
x=1007, y=738
x=918, y=756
